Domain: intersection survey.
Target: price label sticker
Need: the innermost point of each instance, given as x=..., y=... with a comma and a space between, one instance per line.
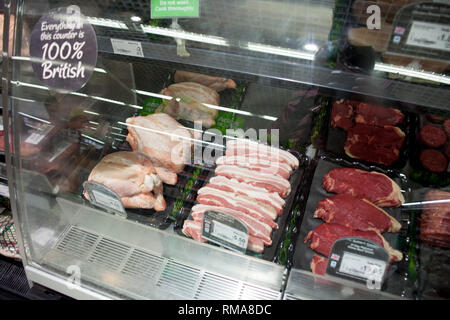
x=38, y=135
x=63, y=49
x=429, y=35
x=101, y=196
x=225, y=230
x=127, y=47
x=360, y=260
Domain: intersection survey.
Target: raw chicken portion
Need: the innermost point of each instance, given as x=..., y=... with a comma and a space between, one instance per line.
x=188, y=103
x=132, y=176
x=216, y=83
x=166, y=142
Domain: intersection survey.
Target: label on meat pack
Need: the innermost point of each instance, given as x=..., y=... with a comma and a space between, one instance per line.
x=101, y=196
x=225, y=230
x=63, y=49
x=38, y=135
x=358, y=259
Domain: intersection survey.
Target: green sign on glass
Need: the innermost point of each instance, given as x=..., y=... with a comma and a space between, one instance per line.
x=175, y=9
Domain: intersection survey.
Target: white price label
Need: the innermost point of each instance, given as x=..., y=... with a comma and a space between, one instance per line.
x=363, y=267
x=127, y=47
x=107, y=201
x=429, y=35
x=37, y=136
x=229, y=234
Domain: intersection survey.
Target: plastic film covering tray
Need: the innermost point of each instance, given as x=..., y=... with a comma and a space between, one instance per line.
x=270, y=252
x=397, y=280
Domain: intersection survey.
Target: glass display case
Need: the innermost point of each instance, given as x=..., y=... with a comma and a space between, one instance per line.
x=125, y=169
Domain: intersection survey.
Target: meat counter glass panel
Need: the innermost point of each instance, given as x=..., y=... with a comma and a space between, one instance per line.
x=192, y=152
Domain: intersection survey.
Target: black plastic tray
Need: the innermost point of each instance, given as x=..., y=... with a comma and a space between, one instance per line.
x=336, y=138
x=270, y=253
x=417, y=172
x=395, y=282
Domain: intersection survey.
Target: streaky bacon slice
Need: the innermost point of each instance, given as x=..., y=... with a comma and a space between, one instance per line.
x=358, y=214
x=246, y=147
x=319, y=264
x=257, y=164
x=323, y=237
x=255, y=227
x=267, y=181
x=259, y=194
x=373, y=186
x=216, y=197
x=193, y=229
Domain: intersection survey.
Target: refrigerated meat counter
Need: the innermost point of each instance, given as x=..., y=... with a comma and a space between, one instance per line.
x=250, y=149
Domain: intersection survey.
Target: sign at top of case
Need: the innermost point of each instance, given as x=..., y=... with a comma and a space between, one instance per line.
x=63, y=49
x=163, y=9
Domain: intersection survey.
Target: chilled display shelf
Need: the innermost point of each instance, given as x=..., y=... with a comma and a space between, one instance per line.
x=303, y=285
x=289, y=73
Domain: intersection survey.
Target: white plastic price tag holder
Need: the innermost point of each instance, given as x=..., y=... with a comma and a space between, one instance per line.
x=360, y=260
x=225, y=230
x=127, y=47
x=101, y=196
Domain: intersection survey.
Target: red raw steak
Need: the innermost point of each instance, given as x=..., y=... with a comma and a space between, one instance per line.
x=341, y=115
x=377, y=115
x=435, y=219
x=373, y=186
x=318, y=264
x=323, y=237
x=358, y=214
x=375, y=144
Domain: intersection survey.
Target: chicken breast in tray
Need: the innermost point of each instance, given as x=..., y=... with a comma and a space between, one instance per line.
x=216, y=83
x=190, y=102
x=165, y=141
x=132, y=176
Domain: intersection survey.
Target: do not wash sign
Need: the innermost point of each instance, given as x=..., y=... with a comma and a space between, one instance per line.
x=63, y=49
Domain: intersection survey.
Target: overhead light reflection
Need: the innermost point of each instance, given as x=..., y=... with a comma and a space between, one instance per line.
x=412, y=73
